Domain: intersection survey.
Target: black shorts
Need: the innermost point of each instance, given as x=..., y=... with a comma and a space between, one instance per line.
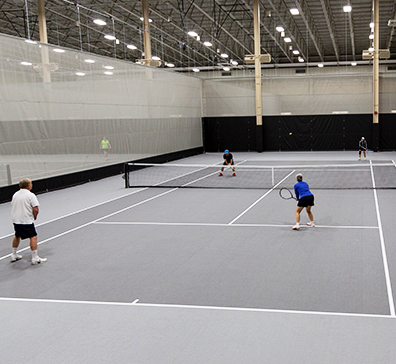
x=25, y=231
x=306, y=201
x=225, y=164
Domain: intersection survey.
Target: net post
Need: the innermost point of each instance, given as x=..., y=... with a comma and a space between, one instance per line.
x=126, y=175
x=273, y=175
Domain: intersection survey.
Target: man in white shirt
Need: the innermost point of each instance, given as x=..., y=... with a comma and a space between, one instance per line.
x=24, y=210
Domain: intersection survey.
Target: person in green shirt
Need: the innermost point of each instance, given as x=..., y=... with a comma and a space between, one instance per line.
x=105, y=146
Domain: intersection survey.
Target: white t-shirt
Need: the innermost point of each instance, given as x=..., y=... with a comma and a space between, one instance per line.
x=22, y=204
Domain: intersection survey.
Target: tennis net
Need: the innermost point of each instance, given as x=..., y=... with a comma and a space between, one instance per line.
x=364, y=175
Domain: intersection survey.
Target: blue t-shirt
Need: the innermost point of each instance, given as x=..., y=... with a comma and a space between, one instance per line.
x=301, y=189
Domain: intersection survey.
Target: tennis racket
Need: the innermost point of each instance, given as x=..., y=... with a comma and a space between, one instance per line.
x=286, y=194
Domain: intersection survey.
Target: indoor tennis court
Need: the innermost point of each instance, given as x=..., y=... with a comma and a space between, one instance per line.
x=179, y=269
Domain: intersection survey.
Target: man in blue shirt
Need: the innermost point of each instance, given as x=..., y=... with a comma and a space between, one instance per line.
x=305, y=199
x=228, y=160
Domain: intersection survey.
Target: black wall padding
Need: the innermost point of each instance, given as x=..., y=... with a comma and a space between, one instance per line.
x=73, y=179
x=387, y=131
x=317, y=132
x=233, y=133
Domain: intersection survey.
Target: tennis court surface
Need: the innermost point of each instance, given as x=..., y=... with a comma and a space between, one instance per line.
x=189, y=267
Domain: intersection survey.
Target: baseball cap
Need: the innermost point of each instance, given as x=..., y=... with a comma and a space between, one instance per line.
x=226, y=151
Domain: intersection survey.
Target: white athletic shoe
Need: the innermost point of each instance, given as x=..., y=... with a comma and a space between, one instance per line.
x=15, y=257
x=296, y=227
x=38, y=260
x=311, y=223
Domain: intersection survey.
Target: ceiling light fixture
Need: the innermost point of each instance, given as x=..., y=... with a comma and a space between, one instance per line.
x=296, y=52
x=347, y=8
x=208, y=44
x=26, y=64
x=150, y=20
x=131, y=46
x=80, y=74
x=170, y=65
x=224, y=55
x=195, y=69
x=30, y=41
x=110, y=37
x=155, y=58
x=320, y=65
x=372, y=25
x=280, y=29
x=58, y=50
x=108, y=73
x=234, y=63
x=371, y=36
x=300, y=59
x=294, y=11
x=192, y=33
x=99, y=22
x=353, y=63
x=287, y=40
x=89, y=61
x=226, y=68
x=109, y=67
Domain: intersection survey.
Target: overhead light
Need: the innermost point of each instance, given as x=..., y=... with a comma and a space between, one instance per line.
x=89, y=61
x=208, y=44
x=372, y=25
x=280, y=29
x=30, y=41
x=108, y=73
x=296, y=52
x=109, y=67
x=393, y=111
x=320, y=65
x=170, y=65
x=110, y=37
x=150, y=21
x=226, y=68
x=117, y=41
x=131, y=46
x=294, y=11
x=155, y=58
x=347, y=8
x=80, y=74
x=287, y=40
x=192, y=33
x=99, y=22
x=371, y=49
x=286, y=113
x=340, y=112
x=235, y=63
x=195, y=69
x=371, y=36
x=58, y=50
x=282, y=34
x=26, y=64
x=300, y=59
x=198, y=37
x=224, y=55
x=353, y=63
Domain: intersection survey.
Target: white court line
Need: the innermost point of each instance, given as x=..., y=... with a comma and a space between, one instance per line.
x=96, y=220
x=244, y=212
x=192, y=307
x=135, y=302
x=383, y=249
x=226, y=225
x=82, y=210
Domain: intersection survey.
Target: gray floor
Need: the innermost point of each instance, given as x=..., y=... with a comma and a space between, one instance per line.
x=203, y=276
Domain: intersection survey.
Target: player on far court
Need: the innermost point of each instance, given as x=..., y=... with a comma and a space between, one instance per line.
x=305, y=199
x=228, y=161
x=362, y=147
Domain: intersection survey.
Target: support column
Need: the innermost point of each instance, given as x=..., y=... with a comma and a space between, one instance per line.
x=257, y=67
x=43, y=39
x=146, y=32
x=375, y=141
